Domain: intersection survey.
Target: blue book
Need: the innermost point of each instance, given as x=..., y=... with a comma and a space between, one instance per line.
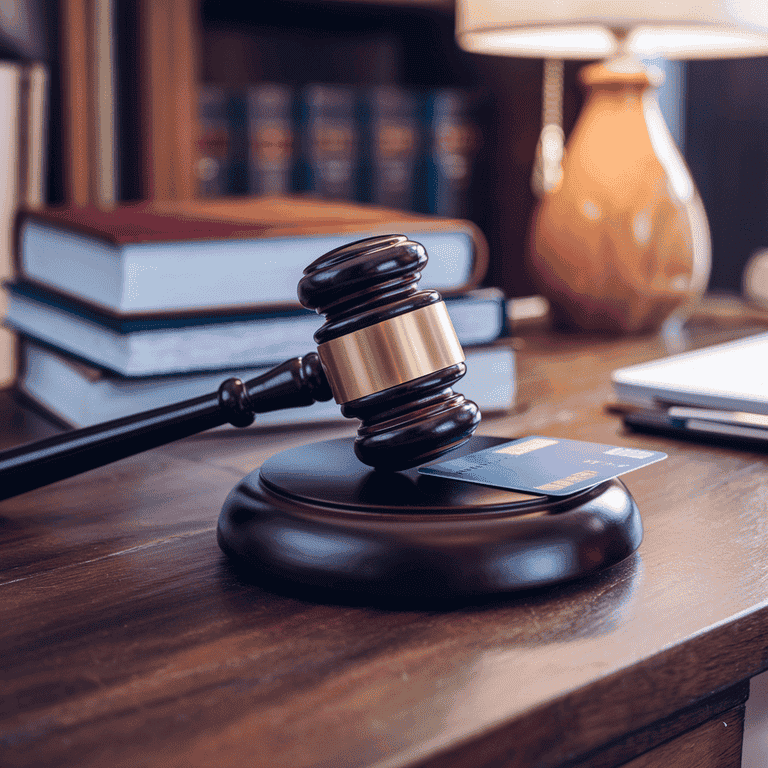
x=389, y=147
x=270, y=139
x=213, y=144
x=450, y=138
x=328, y=128
x=161, y=345
x=221, y=256
x=81, y=395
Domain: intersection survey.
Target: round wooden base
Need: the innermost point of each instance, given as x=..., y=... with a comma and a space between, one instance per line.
x=317, y=516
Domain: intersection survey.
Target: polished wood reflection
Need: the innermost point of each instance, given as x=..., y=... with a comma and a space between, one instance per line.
x=129, y=640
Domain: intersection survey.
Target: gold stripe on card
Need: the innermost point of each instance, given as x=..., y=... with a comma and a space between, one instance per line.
x=519, y=449
x=391, y=352
x=559, y=485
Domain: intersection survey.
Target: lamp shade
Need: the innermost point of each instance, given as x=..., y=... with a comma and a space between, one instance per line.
x=589, y=29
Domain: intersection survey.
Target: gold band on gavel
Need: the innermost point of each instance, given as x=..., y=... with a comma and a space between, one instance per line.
x=391, y=352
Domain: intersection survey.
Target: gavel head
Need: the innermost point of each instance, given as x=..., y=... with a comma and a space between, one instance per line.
x=389, y=351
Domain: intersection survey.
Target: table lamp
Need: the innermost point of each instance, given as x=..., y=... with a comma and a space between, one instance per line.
x=621, y=241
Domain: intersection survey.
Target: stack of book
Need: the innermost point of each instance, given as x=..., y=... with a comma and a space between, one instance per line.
x=130, y=309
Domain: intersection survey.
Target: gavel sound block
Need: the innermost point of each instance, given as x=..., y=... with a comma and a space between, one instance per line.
x=320, y=515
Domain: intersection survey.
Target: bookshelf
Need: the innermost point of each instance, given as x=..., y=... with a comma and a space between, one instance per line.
x=286, y=41
x=173, y=47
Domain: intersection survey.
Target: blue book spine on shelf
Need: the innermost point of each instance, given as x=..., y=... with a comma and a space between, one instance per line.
x=214, y=149
x=329, y=142
x=451, y=138
x=389, y=146
x=270, y=139
x=236, y=181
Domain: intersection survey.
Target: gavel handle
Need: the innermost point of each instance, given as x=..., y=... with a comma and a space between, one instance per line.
x=297, y=382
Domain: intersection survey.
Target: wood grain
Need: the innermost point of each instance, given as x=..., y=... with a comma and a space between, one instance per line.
x=680, y=736
x=126, y=638
x=711, y=745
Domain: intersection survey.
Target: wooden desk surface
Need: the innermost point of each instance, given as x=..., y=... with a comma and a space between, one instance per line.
x=127, y=640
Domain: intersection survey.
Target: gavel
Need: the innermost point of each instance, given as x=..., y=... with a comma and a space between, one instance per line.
x=387, y=353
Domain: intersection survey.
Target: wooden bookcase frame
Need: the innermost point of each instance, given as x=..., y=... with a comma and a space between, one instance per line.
x=169, y=33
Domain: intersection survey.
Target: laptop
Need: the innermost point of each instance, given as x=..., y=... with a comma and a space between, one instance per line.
x=729, y=377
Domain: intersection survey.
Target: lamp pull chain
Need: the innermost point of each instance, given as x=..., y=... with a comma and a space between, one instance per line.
x=548, y=160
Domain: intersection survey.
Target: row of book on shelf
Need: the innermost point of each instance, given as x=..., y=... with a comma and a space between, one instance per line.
x=386, y=145
x=142, y=306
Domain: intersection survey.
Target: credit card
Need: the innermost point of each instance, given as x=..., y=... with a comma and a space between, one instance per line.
x=546, y=466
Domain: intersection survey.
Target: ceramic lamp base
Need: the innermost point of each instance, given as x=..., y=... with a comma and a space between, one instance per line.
x=622, y=241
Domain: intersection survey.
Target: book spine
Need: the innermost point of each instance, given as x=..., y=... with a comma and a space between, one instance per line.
x=214, y=150
x=451, y=139
x=104, y=84
x=34, y=138
x=270, y=139
x=10, y=96
x=235, y=180
x=329, y=142
x=389, y=130
x=75, y=94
